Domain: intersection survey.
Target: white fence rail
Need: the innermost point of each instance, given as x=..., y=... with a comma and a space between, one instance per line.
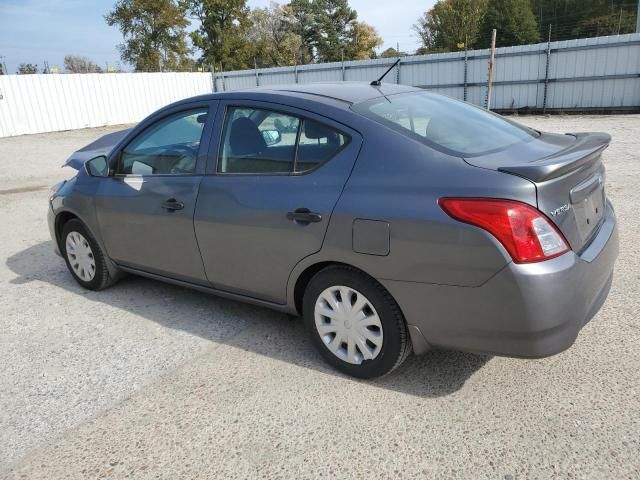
x=579, y=75
x=48, y=103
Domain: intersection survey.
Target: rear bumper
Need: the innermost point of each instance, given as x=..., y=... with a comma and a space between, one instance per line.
x=525, y=310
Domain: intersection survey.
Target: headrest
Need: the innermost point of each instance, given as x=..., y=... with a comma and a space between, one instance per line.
x=245, y=138
x=315, y=130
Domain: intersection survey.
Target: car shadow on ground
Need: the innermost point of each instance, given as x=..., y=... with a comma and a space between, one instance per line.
x=262, y=331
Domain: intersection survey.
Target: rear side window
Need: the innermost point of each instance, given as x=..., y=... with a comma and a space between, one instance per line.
x=260, y=141
x=446, y=124
x=318, y=143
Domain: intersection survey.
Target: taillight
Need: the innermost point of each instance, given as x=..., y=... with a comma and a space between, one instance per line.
x=523, y=230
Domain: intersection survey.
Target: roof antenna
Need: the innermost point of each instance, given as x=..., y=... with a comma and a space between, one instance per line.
x=378, y=82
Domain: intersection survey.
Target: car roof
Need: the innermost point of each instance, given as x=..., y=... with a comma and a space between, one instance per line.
x=350, y=92
x=346, y=93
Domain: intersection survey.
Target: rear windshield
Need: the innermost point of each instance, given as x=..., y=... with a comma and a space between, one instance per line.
x=455, y=127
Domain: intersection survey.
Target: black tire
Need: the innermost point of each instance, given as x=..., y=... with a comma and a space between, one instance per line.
x=396, y=345
x=102, y=277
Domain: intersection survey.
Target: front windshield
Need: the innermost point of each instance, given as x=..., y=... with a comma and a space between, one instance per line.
x=456, y=127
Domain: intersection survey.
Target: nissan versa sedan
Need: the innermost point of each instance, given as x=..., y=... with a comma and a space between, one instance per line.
x=392, y=219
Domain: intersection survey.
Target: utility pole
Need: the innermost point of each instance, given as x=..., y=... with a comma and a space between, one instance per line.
x=492, y=60
x=546, y=74
x=255, y=66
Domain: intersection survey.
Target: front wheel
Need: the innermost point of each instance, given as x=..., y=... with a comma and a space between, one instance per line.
x=355, y=323
x=85, y=260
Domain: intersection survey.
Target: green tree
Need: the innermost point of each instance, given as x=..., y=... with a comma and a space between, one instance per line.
x=222, y=34
x=306, y=27
x=335, y=21
x=272, y=36
x=27, y=69
x=450, y=25
x=513, y=20
x=583, y=18
x=325, y=27
x=154, y=34
x=79, y=64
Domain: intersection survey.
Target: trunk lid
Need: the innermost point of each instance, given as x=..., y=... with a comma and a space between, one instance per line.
x=568, y=173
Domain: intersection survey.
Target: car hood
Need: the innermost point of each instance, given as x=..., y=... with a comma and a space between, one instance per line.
x=102, y=146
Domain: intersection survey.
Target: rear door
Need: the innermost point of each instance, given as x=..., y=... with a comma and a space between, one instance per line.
x=145, y=209
x=267, y=201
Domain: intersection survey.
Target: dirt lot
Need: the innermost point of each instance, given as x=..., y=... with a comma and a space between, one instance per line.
x=147, y=380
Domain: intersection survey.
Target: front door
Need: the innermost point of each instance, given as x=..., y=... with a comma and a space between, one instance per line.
x=267, y=204
x=145, y=210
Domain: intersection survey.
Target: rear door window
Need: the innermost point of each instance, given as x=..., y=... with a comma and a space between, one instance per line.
x=261, y=141
x=455, y=127
x=258, y=141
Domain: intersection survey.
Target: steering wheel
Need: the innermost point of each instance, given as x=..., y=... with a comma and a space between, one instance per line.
x=186, y=161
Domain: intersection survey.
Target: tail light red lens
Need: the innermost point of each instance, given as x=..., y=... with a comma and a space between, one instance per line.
x=523, y=230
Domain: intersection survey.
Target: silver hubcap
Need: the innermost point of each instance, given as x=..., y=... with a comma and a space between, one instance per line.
x=80, y=256
x=348, y=324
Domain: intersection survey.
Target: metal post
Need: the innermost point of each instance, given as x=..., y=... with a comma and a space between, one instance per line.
x=398, y=67
x=224, y=88
x=343, y=69
x=546, y=74
x=255, y=65
x=620, y=21
x=466, y=71
x=492, y=60
x=295, y=71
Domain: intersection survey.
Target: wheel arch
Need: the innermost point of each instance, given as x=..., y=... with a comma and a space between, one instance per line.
x=61, y=219
x=302, y=281
x=419, y=342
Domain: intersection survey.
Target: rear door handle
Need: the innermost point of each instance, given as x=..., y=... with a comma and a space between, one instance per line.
x=172, y=205
x=304, y=216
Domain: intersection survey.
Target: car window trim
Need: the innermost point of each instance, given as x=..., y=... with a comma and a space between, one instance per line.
x=252, y=105
x=187, y=108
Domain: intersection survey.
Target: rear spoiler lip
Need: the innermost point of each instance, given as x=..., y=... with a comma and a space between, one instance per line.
x=584, y=152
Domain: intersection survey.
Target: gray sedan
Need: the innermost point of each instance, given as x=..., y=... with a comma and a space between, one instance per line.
x=392, y=219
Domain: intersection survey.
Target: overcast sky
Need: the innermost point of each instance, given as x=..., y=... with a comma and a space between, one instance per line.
x=32, y=31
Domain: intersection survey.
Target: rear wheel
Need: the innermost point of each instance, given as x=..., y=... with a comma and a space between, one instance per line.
x=85, y=260
x=354, y=323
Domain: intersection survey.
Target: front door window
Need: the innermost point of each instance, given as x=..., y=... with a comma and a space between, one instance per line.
x=169, y=147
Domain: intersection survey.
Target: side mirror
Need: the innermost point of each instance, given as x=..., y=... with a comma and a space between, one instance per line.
x=98, y=166
x=271, y=137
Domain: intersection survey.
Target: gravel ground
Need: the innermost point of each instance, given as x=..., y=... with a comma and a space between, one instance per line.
x=147, y=380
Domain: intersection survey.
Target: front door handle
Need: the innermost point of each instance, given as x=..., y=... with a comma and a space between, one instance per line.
x=172, y=205
x=304, y=216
